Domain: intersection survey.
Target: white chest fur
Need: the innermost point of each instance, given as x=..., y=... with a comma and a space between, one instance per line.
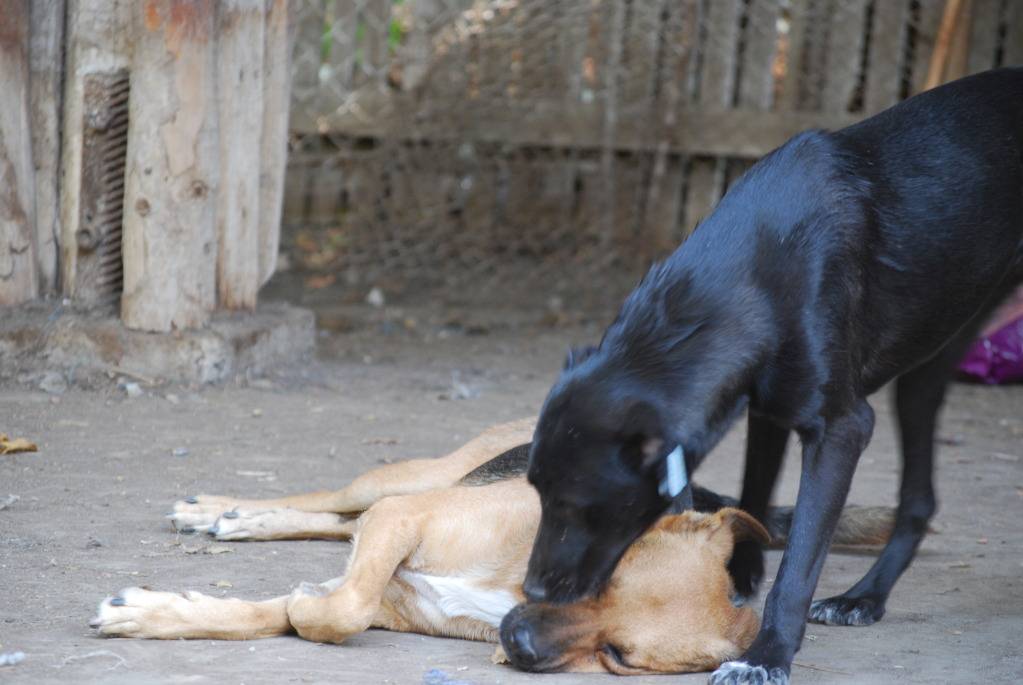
x=445, y=597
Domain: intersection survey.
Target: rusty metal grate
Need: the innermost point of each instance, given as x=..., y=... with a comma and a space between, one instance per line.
x=99, y=277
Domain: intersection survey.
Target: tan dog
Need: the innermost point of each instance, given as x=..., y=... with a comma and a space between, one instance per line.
x=441, y=549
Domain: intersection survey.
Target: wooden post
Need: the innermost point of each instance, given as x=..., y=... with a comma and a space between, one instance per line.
x=18, y=281
x=240, y=66
x=46, y=65
x=169, y=239
x=280, y=34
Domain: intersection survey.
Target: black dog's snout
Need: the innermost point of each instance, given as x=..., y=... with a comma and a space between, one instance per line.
x=534, y=590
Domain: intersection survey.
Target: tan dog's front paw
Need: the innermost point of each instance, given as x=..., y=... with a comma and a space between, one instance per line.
x=199, y=514
x=135, y=612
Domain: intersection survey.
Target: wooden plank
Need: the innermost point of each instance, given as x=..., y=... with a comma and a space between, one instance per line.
x=344, y=74
x=588, y=199
x=629, y=187
x=325, y=192
x=609, y=125
x=170, y=241
x=959, y=50
x=478, y=188
x=661, y=211
x=280, y=34
x=46, y=66
x=800, y=21
x=938, y=63
x=885, y=60
x=845, y=46
x=239, y=50
x=306, y=94
x=815, y=53
x=983, y=43
x=416, y=53
x=645, y=56
x=717, y=83
x=703, y=190
x=570, y=35
x=756, y=88
x=296, y=186
x=374, y=20
x=18, y=268
x=737, y=133
x=734, y=170
x=642, y=51
x=364, y=199
x=1012, y=55
x=927, y=24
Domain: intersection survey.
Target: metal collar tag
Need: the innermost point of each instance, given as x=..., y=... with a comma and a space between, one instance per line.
x=675, y=478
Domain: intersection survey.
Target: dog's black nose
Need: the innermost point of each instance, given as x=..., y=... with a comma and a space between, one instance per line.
x=519, y=645
x=534, y=591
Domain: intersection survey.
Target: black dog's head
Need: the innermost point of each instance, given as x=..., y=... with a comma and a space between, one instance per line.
x=596, y=462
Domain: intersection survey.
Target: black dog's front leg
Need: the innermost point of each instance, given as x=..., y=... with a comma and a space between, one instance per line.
x=919, y=395
x=765, y=449
x=829, y=461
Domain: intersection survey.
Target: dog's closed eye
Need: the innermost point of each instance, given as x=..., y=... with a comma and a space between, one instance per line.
x=616, y=655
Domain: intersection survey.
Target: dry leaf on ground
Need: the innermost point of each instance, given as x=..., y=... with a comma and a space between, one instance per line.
x=12, y=445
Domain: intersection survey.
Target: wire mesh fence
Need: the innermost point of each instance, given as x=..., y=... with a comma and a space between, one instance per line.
x=490, y=145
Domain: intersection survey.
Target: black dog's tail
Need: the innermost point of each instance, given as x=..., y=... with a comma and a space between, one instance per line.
x=857, y=526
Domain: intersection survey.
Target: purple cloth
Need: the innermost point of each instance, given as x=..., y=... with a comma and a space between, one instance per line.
x=997, y=356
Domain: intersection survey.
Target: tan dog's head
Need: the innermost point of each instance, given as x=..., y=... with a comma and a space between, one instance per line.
x=667, y=608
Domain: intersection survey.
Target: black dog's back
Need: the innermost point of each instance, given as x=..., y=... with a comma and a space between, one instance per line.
x=945, y=197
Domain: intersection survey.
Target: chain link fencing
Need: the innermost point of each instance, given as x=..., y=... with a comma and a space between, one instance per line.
x=505, y=148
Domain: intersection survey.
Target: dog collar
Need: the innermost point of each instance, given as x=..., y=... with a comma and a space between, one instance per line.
x=675, y=479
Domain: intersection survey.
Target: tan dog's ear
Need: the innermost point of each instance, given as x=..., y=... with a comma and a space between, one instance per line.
x=687, y=521
x=728, y=526
x=733, y=525
x=744, y=526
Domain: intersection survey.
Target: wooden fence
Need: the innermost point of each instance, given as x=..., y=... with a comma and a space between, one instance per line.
x=443, y=137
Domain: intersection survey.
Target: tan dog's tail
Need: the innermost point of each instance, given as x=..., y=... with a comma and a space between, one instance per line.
x=857, y=526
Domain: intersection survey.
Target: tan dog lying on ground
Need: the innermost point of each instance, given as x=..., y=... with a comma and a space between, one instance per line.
x=441, y=549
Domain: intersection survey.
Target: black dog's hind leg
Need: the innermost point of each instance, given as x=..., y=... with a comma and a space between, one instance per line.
x=829, y=460
x=919, y=395
x=765, y=448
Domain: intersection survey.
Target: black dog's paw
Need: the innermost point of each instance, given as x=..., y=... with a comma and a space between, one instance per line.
x=847, y=611
x=741, y=673
x=746, y=568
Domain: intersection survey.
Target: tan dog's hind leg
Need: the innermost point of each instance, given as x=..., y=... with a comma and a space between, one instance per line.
x=199, y=514
x=389, y=532
x=170, y=615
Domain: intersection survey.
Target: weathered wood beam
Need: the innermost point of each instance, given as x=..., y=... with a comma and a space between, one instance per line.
x=280, y=42
x=46, y=66
x=18, y=281
x=172, y=169
x=731, y=132
x=240, y=46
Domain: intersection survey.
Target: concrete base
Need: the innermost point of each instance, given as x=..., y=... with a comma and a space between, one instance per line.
x=47, y=342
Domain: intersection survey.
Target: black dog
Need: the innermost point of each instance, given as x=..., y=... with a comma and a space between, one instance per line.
x=839, y=262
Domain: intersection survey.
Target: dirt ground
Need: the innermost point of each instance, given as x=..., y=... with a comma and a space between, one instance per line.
x=391, y=384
